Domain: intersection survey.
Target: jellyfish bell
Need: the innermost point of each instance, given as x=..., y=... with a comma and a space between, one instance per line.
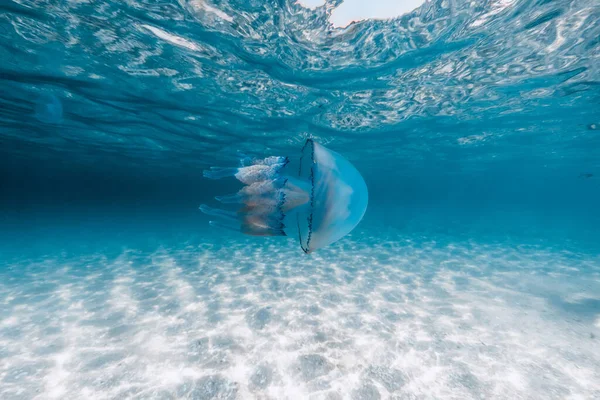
x=318, y=198
x=338, y=197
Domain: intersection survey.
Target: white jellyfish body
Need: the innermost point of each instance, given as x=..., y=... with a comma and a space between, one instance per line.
x=319, y=199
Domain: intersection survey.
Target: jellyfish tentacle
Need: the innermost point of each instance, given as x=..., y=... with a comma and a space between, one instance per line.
x=231, y=227
x=216, y=212
x=219, y=173
x=230, y=198
x=263, y=215
x=251, y=171
x=273, y=160
x=253, y=229
x=254, y=192
x=259, y=172
x=257, y=218
x=247, y=161
x=264, y=187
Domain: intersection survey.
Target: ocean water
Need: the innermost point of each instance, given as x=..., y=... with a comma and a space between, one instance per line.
x=475, y=273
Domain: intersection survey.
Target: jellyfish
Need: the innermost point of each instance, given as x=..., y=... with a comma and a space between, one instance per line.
x=318, y=198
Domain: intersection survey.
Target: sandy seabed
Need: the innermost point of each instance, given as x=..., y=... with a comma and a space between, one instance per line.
x=376, y=319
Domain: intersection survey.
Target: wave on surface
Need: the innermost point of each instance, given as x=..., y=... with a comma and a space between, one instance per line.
x=189, y=82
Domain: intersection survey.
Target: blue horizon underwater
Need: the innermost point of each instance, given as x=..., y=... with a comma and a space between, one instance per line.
x=471, y=129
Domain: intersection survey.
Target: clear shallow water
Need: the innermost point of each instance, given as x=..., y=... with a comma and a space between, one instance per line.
x=475, y=273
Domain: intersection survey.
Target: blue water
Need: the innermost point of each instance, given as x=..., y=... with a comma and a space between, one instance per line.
x=475, y=273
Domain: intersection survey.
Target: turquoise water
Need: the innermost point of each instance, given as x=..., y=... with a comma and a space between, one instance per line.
x=475, y=273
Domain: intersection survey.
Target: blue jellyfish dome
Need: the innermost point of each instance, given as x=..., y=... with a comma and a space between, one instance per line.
x=338, y=199
x=319, y=199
